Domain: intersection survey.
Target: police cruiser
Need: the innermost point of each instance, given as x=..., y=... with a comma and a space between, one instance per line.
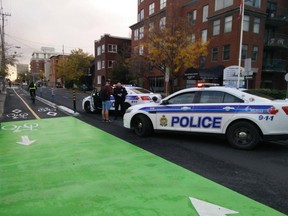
x=136, y=95
x=243, y=118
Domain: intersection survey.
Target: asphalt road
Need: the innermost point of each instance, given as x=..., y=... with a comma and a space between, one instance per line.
x=260, y=174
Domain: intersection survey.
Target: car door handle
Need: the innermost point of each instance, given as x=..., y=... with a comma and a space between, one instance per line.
x=185, y=108
x=228, y=108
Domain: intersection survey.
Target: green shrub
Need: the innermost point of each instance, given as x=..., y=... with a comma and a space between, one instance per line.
x=276, y=94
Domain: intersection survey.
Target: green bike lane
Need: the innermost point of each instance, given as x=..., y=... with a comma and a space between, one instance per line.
x=63, y=166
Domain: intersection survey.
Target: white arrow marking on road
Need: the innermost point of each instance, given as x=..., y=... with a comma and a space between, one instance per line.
x=208, y=209
x=26, y=141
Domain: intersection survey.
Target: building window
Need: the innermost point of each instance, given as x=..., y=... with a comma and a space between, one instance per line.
x=216, y=27
x=205, y=13
x=254, y=3
x=192, y=17
x=141, y=50
x=98, y=65
x=244, y=51
x=246, y=22
x=193, y=38
x=226, y=52
x=98, y=50
x=214, y=54
x=220, y=4
x=141, y=32
x=141, y=15
x=156, y=84
x=255, y=53
x=110, y=63
x=151, y=8
x=162, y=23
x=103, y=48
x=98, y=79
x=256, y=26
x=162, y=4
x=112, y=48
x=204, y=35
x=228, y=24
x=136, y=34
x=151, y=26
x=103, y=64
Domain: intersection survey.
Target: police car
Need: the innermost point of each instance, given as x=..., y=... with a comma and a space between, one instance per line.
x=243, y=118
x=136, y=95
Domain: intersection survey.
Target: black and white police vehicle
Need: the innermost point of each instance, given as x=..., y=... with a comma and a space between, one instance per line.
x=243, y=118
x=136, y=95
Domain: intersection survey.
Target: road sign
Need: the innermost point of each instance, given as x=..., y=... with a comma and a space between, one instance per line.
x=167, y=74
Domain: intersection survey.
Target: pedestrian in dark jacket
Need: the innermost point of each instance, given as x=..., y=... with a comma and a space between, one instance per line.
x=119, y=94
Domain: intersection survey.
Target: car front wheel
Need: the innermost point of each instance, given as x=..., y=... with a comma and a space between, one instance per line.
x=142, y=126
x=243, y=135
x=87, y=107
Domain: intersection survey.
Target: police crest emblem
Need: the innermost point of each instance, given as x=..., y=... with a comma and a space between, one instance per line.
x=163, y=121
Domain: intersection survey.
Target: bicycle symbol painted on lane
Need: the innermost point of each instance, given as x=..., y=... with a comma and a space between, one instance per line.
x=17, y=114
x=20, y=128
x=48, y=111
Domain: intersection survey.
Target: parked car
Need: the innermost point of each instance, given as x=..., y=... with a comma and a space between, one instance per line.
x=244, y=119
x=136, y=95
x=58, y=85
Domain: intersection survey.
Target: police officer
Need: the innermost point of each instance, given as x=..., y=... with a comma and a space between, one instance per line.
x=119, y=94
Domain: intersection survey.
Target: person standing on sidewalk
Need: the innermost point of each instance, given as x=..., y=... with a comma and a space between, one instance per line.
x=105, y=93
x=119, y=94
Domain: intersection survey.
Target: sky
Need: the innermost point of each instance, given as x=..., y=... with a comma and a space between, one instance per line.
x=68, y=24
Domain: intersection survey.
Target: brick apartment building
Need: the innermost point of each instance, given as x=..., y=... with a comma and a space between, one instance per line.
x=39, y=61
x=265, y=38
x=107, y=49
x=55, y=81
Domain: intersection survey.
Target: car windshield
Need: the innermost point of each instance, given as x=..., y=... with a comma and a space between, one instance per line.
x=251, y=91
x=140, y=91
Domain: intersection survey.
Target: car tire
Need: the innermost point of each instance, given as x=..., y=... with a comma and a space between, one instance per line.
x=243, y=135
x=142, y=126
x=87, y=107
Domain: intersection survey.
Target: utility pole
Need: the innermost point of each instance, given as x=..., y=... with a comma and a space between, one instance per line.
x=3, y=65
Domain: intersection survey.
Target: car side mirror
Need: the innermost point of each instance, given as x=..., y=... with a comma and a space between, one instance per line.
x=154, y=99
x=164, y=102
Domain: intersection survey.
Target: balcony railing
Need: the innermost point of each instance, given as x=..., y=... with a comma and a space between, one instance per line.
x=275, y=65
x=277, y=14
x=277, y=40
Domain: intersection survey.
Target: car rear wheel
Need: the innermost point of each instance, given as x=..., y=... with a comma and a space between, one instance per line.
x=243, y=135
x=87, y=107
x=142, y=126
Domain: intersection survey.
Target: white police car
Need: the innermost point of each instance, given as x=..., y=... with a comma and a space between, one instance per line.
x=245, y=119
x=136, y=95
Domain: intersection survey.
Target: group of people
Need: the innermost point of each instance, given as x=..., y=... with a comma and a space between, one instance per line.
x=119, y=93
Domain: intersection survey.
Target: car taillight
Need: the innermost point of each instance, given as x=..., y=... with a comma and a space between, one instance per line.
x=145, y=98
x=285, y=109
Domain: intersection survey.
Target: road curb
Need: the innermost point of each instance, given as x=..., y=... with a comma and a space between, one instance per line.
x=60, y=107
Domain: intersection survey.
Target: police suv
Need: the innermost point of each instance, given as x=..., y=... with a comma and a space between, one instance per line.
x=243, y=118
x=136, y=95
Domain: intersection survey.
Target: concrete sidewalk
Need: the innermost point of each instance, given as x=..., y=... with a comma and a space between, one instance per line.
x=2, y=103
